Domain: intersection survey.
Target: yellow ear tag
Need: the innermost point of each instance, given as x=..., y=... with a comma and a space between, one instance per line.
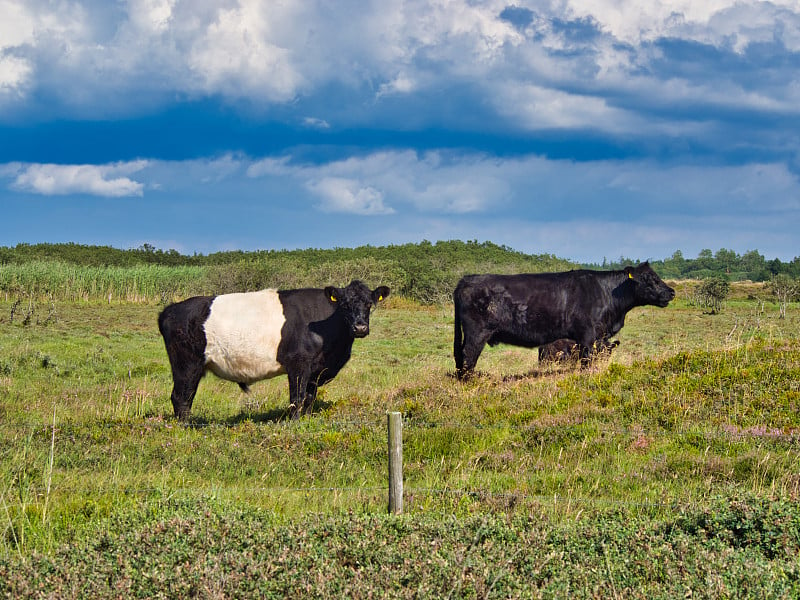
x=333, y=298
x=630, y=276
x=380, y=298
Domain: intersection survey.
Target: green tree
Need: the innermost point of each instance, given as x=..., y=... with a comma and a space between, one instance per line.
x=713, y=292
x=754, y=264
x=726, y=259
x=674, y=266
x=704, y=260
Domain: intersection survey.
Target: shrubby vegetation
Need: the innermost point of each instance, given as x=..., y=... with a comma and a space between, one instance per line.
x=713, y=291
x=425, y=272
x=95, y=256
x=731, y=549
x=447, y=253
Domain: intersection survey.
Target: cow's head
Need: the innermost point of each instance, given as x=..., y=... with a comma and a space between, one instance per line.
x=649, y=288
x=354, y=303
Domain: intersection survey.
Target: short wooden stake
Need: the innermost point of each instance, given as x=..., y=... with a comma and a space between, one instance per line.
x=395, y=423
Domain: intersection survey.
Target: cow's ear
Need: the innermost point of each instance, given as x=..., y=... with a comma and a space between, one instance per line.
x=380, y=293
x=629, y=272
x=332, y=294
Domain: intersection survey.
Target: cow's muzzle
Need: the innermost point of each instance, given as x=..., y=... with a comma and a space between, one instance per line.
x=360, y=331
x=667, y=298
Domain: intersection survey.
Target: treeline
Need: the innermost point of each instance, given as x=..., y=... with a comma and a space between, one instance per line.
x=752, y=266
x=449, y=252
x=97, y=256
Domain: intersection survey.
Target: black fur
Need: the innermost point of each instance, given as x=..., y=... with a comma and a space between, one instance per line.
x=569, y=351
x=531, y=310
x=316, y=339
x=181, y=326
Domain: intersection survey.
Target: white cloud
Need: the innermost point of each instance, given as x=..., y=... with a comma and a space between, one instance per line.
x=432, y=182
x=349, y=196
x=92, y=54
x=17, y=24
x=633, y=21
x=544, y=108
x=221, y=168
x=742, y=24
x=271, y=166
x=97, y=180
x=14, y=73
x=315, y=123
x=21, y=28
x=402, y=84
x=151, y=15
x=243, y=52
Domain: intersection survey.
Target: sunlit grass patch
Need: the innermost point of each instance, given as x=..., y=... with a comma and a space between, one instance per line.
x=689, y=409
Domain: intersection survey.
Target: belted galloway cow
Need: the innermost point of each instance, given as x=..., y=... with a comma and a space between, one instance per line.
x=534, y=309
x=307, y=334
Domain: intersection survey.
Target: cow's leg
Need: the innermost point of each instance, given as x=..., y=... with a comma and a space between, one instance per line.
x=311, y=395
x=473, y=346
x=586, y=356
x=188, y=367
x=586, y=346
x=298, y=386
x=185, y=382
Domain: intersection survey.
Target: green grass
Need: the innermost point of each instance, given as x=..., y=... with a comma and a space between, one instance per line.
x=645, y=475
x=66, y=281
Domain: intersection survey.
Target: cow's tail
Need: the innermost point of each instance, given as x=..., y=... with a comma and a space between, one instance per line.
x=163, y=325
x=458, y=334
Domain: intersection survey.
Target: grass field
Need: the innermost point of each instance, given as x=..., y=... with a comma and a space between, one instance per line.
x=672, y=469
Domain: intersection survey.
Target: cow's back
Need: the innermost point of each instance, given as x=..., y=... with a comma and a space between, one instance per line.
x=523, y=286
x=528, y=308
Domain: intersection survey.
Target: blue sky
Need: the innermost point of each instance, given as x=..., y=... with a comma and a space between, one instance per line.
x=580, y=128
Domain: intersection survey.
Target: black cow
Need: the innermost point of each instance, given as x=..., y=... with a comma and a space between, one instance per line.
x=531, y=310
x=569, y=351
x=307, y=334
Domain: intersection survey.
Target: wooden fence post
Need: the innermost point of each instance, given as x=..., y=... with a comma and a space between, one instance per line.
x=395, y=424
